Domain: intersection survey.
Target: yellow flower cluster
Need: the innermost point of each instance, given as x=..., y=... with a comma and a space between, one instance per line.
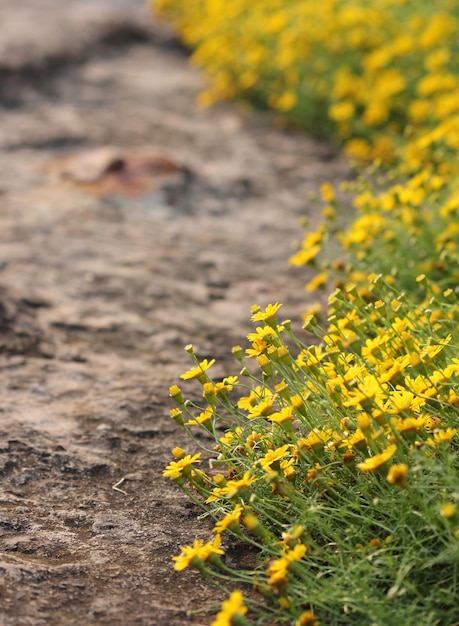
x=379, y=370
x=353, y=438
x=407, y=231
x=377, y=69
x=382, y=78
x=371, y=411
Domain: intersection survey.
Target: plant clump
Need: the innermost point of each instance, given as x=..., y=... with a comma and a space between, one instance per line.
x=334, y=455
x=338, y=462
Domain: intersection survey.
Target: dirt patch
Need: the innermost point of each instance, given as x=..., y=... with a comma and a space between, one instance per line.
x=99, y=292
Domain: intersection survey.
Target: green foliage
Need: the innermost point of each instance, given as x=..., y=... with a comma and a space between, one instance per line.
x=339, y=460
x=340, y=465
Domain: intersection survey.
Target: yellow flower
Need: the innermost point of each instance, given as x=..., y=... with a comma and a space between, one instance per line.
x=448, y=510
x=313, y=238
x=265, y=364
x=229, y=520
x=442, y=436
x=255, y=395
x=229, y=436
x=357, y=440
x=199, y=550
x=327, y=192
x=342, y=111
x=418, y=110
x=431, y=423
x=227, y=384
x=203, y=418
x=373, y=463
x=232, y=488
x=178, y=453
x=262, y=334
x=307, y=618
x=364, y=422
x=262, y=409
x=296, y=553
x=176, y=469
x=232, y=608
x=273, y=456
x=431, y=351
x=267, y=315
x=284, y=415
x=357, y=149
x=305, y=256
x=315, y=439
x=176, y=394
x=286, y=101
x=287, y=469
x=409, y=425
x=277, y=569
x=177, y=416
x=317, y=282
x=258, y=347
x=376, y=113
x=197, y=372
x=209, y=392
x=290, y=537
x=397, y=475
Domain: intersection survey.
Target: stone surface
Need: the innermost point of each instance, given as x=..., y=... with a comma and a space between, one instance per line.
x=99, y=294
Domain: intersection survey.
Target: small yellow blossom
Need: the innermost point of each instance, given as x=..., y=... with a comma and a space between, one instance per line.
x=290, y=538
x=307, y=618
x=267, y=315
x=203, y=418
x=197, y=372
x=341, y=111
x=305, y=256
x=316, y=439
x=327, y=192
x=286, y=101
x=284, y=415
x=403, y=400
x=232, y=608
x=232, y=487
x=230, y=519
x=277, y=569
x=263, y=409
x=177, y=416
x=273, y=456
x=397, y=475
x=199, y=550
x=373, y=463
x=431, y=423
x=448, y=510
x=176, y=469
x=230, y=436
x=317, y=282
x=227, y=384
x=176, y=394
x=442, y=436
x=409, y=426
x=178, y=453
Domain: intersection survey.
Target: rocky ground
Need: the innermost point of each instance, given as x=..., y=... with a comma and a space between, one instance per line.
x=131, y=223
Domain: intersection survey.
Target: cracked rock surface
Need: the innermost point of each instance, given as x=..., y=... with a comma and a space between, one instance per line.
x=103, y=283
